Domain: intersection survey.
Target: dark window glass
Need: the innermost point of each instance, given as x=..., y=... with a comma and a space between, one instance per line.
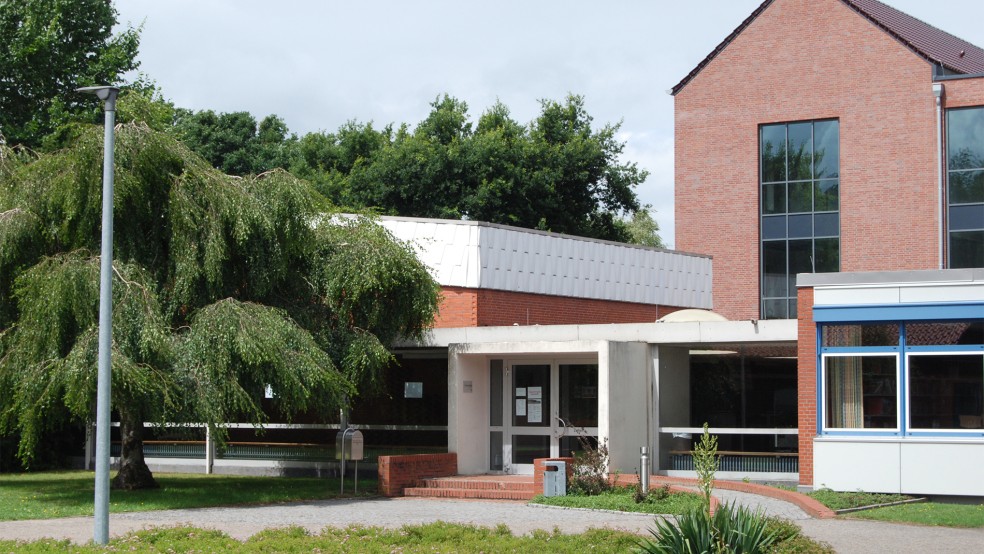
x=773, y=153
x=946, y=391
x=799, y=164
x=774, y=269
x=866, y=334
x=800, y=226
x=579, y=395
x=800, y=260
x=826, y=225
x=800, y=151
x=965, y=158
x=861, y=392
x=945, y=333
x=801, y=197
x=774, y=309
x=966, y=187
x=827, y=255
x=967, y=249
x=526, y=448
x=968, y=216
x=826, y=196
x=965, y=138
x=774, y=198
x=774, y=227
x=827, y=149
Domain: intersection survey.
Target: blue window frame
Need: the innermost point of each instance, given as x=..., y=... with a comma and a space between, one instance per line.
x=911, y=378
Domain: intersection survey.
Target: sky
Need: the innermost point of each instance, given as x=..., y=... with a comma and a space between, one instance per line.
x=320, y=63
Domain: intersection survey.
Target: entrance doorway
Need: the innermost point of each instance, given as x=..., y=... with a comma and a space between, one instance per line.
x=548, y=407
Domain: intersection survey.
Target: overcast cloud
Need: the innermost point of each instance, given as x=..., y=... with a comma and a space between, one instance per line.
x=319, y=64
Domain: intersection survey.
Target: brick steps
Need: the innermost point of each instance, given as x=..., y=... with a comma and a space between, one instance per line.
x=486, y=489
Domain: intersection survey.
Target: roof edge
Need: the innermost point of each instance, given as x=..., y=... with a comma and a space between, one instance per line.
x=720, y=47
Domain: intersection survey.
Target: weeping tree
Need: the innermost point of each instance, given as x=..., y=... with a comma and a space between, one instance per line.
x=223, y=286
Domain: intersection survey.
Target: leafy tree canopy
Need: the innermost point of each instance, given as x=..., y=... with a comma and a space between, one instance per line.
x=50, y=48
x=223, y=286
x=558, y=173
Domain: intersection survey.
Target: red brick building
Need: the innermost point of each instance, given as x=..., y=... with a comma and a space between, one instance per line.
x=827, y=137
x=862, y=75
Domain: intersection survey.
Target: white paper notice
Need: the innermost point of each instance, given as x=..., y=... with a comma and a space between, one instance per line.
x=520, y=391
x=534, y=412
x=520, y=406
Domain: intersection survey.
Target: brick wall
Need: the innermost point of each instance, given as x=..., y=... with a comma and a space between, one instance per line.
x=399, y=472
x=463, y=307
x=806, y=383
x=808, y=60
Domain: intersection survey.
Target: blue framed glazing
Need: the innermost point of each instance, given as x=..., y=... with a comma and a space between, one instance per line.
x=900, y=421
x=902, y=314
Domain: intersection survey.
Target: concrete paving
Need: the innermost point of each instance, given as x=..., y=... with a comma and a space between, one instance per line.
x=846, y=536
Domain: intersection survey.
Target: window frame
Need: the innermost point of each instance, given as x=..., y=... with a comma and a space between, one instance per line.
x=949, y=204
x=941, y=350
x=772, y=218
x=861, y=352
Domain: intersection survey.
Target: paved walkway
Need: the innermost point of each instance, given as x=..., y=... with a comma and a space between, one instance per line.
x=846, y=536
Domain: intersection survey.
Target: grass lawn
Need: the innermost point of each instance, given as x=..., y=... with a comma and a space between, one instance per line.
x=923, y=513
x=434, y=537
x=620, y=499
x=928, y=513
x=853, y=499
x=70, y=493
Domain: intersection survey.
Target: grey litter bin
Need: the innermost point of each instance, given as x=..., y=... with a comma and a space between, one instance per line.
x=554, y=478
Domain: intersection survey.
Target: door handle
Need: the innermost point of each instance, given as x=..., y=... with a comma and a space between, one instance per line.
x=563, y=425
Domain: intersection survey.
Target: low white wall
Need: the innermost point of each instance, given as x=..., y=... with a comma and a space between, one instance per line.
x=892, y=465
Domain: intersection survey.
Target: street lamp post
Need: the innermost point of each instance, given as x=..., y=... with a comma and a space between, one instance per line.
x=101, y=526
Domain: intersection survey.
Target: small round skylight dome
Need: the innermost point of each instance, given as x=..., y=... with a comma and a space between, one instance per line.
x=692, y=314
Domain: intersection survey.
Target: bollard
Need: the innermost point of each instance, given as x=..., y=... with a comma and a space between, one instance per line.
x=644, y=469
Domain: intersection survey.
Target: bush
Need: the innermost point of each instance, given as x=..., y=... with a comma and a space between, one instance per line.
x=589, y=473
x=732, y=529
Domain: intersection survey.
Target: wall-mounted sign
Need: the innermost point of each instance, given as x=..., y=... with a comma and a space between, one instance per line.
x=413, y=390
x=466, y=386
x=521, y=407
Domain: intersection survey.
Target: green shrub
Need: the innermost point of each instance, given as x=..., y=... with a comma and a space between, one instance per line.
x=732, y=529
x=589, y=473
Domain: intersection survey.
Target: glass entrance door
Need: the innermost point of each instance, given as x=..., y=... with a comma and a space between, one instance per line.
x=549, y=407
x=532, y=415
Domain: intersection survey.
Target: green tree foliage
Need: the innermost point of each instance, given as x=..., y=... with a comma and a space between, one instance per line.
x=234, y=143
x=223, y=286
x=643, y=228
x=558, y=173
x=49, y=48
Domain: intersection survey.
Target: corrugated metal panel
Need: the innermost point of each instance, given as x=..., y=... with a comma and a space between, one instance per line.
x=466, y=254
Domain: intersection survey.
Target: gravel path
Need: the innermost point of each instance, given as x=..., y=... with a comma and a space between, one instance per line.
x=846, y=536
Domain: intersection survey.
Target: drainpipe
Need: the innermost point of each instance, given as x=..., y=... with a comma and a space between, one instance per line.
x=940, y=193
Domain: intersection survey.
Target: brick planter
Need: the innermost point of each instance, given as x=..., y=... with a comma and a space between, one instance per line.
x=400, y=472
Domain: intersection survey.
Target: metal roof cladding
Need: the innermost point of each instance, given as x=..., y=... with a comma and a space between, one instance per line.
x=934, y=45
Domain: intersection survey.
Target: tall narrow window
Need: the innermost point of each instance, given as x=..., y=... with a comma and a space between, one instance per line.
x=800, y=208
x=965, y=169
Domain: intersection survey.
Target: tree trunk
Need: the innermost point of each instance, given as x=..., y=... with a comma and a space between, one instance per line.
x=133, y=473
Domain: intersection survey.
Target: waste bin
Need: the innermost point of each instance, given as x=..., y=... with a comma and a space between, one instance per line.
x=554, y=478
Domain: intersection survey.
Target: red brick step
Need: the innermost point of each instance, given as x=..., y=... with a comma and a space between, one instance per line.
x=488, y=487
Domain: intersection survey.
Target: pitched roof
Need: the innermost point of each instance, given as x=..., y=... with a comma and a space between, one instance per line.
x=933, y=45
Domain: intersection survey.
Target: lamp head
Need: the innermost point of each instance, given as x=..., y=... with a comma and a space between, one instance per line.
x=105, y=93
